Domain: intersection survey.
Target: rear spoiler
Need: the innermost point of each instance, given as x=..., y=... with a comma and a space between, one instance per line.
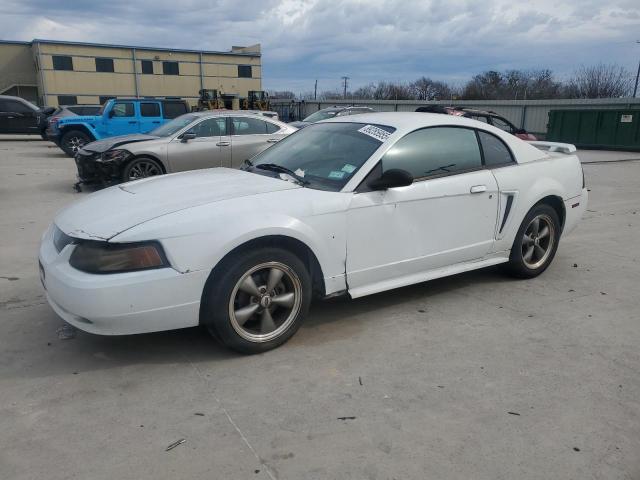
x=554, y=147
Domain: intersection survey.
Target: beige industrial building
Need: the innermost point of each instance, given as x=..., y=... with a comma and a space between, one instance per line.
x=49, y=72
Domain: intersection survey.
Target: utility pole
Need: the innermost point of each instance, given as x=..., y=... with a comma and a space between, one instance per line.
x=345, y=80
x=315, y=90
x=635, y=89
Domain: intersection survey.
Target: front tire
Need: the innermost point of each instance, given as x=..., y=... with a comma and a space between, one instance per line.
x=73, y=141
x=255, y=301
x=142, y=167
x=536, y=242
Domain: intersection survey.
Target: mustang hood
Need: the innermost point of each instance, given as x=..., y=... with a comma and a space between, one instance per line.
x=106, y=213
x=111, y=142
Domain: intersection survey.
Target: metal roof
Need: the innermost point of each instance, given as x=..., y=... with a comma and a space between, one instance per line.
x=107, y=45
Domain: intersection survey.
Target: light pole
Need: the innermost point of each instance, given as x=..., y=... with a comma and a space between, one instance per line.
x=635, y=89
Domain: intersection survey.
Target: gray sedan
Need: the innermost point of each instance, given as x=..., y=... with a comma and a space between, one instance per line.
x=189, y=142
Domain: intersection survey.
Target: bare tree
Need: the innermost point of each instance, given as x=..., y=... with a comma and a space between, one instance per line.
x=600, y=81
x=426, y=89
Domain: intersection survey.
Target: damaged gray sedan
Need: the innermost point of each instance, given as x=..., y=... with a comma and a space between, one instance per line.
x=189, y=142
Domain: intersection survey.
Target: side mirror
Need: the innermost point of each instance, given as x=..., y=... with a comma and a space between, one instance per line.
x=112, y=112
x=187, y=136
x=391, y=179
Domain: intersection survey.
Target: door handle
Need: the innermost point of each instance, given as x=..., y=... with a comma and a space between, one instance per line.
x=156, y=121
x=478, y=189
x=131, y=123
x=223, y=144
x=273, y=140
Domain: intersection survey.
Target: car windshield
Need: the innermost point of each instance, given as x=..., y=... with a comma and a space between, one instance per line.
x=174, y=125
x=321, y=115
x=324, y=156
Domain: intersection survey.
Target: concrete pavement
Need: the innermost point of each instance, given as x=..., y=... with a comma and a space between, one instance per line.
x=474, y=376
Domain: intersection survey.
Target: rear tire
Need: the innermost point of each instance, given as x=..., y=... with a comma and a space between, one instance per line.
x=536, y=242
x=255, y=301
x=73, y=141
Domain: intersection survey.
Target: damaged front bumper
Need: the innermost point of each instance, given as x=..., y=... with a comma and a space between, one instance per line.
x=96, y=167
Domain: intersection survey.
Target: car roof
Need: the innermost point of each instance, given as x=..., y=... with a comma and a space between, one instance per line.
x=406, y=122
x=20, y=99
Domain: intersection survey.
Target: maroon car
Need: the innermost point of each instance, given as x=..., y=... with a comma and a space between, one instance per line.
x=485, y=116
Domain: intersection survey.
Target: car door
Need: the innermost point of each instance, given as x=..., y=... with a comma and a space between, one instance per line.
x=122, y=119
x=447, y=216
x=18, y=117
x=250, y=136
x=150, y=116
x=206, y=150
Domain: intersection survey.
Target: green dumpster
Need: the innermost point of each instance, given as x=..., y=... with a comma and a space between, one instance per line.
x=617, y=129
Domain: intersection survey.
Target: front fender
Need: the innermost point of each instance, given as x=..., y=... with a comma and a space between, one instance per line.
x=200, y=242
x=67, y=127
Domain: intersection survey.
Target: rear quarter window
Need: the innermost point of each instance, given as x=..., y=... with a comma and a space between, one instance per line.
x=494, y=150
x=174, y=109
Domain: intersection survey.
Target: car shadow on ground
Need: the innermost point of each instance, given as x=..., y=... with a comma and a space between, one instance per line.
x=89, y=352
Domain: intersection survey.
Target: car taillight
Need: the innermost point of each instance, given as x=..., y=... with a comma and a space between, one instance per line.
x=53, y=120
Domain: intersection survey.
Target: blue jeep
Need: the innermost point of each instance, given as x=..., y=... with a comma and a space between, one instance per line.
x=118, y=116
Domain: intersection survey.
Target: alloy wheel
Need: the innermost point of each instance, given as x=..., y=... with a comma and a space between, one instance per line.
x=265, y=301
x=143, y=169
x=538, y=241
x=75, y=143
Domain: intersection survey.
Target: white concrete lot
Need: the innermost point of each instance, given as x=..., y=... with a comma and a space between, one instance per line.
x=475, y=376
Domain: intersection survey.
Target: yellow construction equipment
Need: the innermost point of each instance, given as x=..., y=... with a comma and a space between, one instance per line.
x=210, y=100
x=256, y=100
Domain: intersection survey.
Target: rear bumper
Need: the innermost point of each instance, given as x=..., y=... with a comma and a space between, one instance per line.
x=119, y=304
x=575, y=208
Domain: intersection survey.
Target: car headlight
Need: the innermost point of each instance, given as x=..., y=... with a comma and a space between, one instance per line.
x=103, y=257
x=114, y=156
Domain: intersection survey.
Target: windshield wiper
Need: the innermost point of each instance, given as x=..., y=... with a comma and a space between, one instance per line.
x=274, y=167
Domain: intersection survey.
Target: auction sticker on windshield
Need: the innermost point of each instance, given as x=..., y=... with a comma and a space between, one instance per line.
x=375, y=132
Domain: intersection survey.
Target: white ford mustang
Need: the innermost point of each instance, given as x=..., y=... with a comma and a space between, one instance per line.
x=354, y=205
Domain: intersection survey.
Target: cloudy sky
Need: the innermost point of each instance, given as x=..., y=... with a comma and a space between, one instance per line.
x=371, y=40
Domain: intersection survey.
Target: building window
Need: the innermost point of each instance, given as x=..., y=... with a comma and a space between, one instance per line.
x=244, y=71
x=104, y=64
x=150, y=109
x=147, y=67
x=170, y=68
x=67, y=100
x=61, y=62
x=105, y=98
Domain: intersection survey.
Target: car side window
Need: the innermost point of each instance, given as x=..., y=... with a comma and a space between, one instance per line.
x=123, y=109
x=174, y=109
x=434, y=151
x=149, y=109
x=249, y=126
x=211, y=127
x=494, y=150
x=272, y=127
x=480, y=118
x=502, y=124
x=17, y=107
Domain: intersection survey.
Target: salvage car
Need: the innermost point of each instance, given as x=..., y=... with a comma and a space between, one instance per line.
x=492, y=118
x=331, y=112
x=48, y=124
x=354, y=205
x=223, y=138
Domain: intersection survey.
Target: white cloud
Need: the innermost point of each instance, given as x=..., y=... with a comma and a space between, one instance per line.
x=367, y=40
